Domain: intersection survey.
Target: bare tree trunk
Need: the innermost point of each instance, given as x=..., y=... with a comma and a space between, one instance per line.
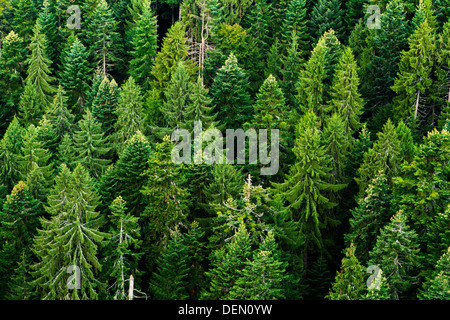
x=131, y=288
x=416, y=109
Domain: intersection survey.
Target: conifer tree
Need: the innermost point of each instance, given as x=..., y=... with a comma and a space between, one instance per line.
x=133, y=161
x=104, y=105
x=388, y=44
x=295, y=22
x=326, y=15
x=48, y=20
x=174, y=49
x=263, y=277
x=10, y=152
x=12, y=75
x=304, y=186
x=89, y=146
x=20, y=287
x=75, y=73
x=122, y=251
x=396, y=253
x=384, y=155
x=350, y=280
x=415, y=75
x=38, y=72
x=31, y=108
x=129, y=113
x=347, y=101
x=372, y=212
x=378, y=289
x=230, y=94
x=437, y=287
x=337, y=146
x=102, y=37
x=199, y=107
x=61, y=118
x=226, y=262
x=176, y=98
x=170, y=281
x=167, y=199
x=24, y=18
x=34, y=156
x=18, y=220
x=74, y=226
x=144, y=43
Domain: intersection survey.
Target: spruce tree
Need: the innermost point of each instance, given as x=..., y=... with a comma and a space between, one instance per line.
x=295, y=22
x=122, y=253
x=144, y=43
x=199, y=107
x=102, y=37
x=133, y=161
x=372, y=212
x=303, y=188
x=326, y=15
x=263, y=277
x=437, y=287
x=59, y=115
x=174, y=49
x=396, y=253
x=385, y=155
x=170, y=281
x=73, y=226
x=48, y=20
x=104, y=105
x=12, y=75
x=38, y=72
x=347, y=101
x=75, y=73
x=350, y=280
x=89, y=146
x=20, y=287
x=378, y=289
x=230, y=94
x=227, y=262
x=24, y=18
x=167, y=199
x=10, y=152
x=415, y=76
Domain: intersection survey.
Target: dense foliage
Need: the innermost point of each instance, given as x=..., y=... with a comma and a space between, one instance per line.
x=91, y=199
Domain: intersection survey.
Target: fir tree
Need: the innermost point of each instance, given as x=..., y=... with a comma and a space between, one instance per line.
x=102, y=37
x=437, y=287
x=75, y=71
x=199, y=107
x=133, y=161
x=295, y=22
x=10, y=152
x=346, y=99
x=60, y=117
x=396, y=253
x=89, y=146
x=174, y=49
x=304, y=186
x=47, y=19
x=378, y=289
x=12, y=75
x=372, y=212
x=73, y=226
x=144, y=43
x=226, y=264
x=263, y=277
x=230, y=94
x=122, y=252
x=24, y=18
x=326, y=15
x=349, y=283
x=170, y=281
x=38, y=72
x=104, y=105
x=19, y=286
x=414, y=78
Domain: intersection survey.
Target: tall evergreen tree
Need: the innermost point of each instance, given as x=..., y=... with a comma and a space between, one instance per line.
x=89, y=146
x=230, y=94
x=104, y=105
x=170, y=281
x=349, y=283
x=74, y=226
x=144, y=46
x=326, y=15
x=396, y=253
x=59, y=115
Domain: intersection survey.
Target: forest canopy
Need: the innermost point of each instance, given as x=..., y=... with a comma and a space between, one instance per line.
x=346, y=102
